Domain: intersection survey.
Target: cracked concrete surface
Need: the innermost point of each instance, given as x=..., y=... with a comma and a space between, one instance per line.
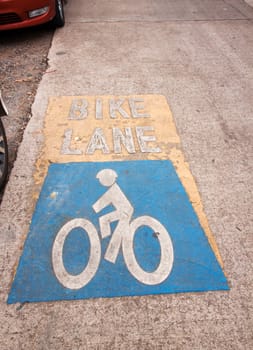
x=199, y=54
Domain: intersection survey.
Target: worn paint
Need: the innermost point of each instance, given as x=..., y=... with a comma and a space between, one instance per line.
x=134, y=137
x=157, y=246
x=100, y=112
x=139, y=120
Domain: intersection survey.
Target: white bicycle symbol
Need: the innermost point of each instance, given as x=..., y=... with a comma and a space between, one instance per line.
x=123, y=236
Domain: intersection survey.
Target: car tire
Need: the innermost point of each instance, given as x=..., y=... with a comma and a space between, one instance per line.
x=3, y=156
x=59, y=19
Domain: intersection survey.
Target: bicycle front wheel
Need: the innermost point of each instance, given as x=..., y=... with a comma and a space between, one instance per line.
x=166, y=257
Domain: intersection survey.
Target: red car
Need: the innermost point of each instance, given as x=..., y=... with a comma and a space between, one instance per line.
x=25, y=13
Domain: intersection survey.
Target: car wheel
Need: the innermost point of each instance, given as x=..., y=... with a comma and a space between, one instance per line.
x=59, y=19
x=3, y=155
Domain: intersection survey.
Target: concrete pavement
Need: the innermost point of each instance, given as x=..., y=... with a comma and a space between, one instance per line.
x=199, y=55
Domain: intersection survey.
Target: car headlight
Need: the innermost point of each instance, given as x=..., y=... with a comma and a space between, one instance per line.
x=38, y=12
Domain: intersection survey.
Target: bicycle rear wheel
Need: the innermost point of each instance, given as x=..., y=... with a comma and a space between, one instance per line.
x=3, y=155
x=64, y=277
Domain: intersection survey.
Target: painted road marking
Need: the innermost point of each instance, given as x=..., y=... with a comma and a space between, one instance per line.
x=121, y=128
x=153, y=237
x=122, y=237
x=147, y=241
x=155, y=113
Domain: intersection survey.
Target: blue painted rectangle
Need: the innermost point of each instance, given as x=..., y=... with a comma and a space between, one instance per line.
x=154, y=190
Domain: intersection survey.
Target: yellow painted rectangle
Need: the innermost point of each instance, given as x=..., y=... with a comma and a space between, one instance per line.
x=62, y=111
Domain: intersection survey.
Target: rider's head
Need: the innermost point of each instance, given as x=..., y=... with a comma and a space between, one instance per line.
x=107, y=177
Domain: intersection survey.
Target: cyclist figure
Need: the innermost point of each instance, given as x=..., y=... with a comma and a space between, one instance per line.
x=123, y=213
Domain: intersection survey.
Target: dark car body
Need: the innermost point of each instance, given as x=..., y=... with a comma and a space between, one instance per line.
x=16, y=14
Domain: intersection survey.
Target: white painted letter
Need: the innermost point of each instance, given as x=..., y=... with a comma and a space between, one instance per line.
x=65, y=149
x=99, y=109
x=127, y=140
x=78, y=109
x=115, y=106
x=136, y=113
x=143, y=139
x=97, y=141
